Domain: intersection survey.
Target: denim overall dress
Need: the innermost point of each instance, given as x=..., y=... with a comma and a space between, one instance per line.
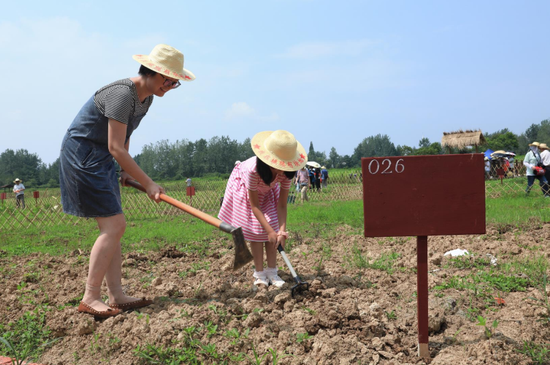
x=87, y=175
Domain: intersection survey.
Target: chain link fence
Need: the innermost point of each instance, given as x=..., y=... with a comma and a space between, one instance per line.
x=46, y=211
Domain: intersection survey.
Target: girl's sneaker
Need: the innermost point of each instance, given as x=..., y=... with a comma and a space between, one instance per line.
x=273, y=278
x=261, y=278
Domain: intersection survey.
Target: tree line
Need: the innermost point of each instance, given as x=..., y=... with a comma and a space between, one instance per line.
x=178, y=160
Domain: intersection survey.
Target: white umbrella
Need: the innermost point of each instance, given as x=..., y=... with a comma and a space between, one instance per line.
x=502, y=153
x=313, y=163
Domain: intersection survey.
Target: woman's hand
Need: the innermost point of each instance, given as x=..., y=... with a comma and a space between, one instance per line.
x=125, y=176
x=154, y=190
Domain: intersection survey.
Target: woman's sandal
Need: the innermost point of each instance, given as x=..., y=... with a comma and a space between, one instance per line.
x=110, y=312
x=132, y=305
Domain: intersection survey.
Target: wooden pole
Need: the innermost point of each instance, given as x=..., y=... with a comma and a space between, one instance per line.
x=422, y=294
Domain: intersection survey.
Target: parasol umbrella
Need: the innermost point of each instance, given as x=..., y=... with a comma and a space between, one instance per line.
x=313, y=164
x=502, y=153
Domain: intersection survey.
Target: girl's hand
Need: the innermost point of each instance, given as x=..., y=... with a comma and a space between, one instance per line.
x=273, y=238
x=154, y=190
x=281, y=240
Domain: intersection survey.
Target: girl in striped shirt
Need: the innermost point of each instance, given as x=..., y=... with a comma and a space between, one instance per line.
x=256, y=198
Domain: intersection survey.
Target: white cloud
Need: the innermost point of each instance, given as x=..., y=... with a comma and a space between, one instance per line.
x=239, y=110
x=242, y=110
x=314, y=50
x=269, y=118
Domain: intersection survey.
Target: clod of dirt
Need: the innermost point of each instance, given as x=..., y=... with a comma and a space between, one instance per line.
x=253, y=320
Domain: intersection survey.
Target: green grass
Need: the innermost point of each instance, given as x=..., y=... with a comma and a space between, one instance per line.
x=313, y=220
x=384, y=263
x=539, y=353
x=517, y=209
x=27, y=337
x=184, y=232
x=317, y=219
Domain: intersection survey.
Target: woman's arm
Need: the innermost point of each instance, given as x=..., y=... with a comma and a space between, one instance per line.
x=528, y=161
x=118, y=148
x=255, y=205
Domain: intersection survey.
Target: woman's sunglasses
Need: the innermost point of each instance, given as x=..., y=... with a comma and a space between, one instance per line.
x=170, y=83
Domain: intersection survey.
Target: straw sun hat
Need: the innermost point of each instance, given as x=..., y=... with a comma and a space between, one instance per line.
x=280, y=150
x=534, y=144
x=166, y=60
x=543, y=145
x=16, y=180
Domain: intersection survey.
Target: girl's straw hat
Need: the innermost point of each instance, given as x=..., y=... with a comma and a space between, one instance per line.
x=279, y=150
x=534, y=144
x=543, y=145
x=166, y=60
x=16, y=180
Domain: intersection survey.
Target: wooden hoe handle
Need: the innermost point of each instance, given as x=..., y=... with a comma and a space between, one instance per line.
x=186, y=208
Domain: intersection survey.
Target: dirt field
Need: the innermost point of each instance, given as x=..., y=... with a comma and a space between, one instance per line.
x=350, y=315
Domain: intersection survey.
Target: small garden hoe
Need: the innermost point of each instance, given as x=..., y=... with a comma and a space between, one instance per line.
x=242, y=254
x=300, y=284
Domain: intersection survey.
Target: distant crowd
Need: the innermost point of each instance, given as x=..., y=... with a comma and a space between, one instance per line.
x=535, y=165
x=312, y=178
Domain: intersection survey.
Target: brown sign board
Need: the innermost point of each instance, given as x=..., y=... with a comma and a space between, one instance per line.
x=424, y=195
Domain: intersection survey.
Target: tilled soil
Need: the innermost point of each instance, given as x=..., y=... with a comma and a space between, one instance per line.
x=350, y=315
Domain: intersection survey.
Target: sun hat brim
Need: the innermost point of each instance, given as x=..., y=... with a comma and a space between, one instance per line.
x=297, y=161
x=534, y=144
x=145, y=60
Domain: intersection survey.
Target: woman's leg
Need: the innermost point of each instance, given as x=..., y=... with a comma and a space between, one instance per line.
x=105, y=248
x=113, y=278
x=530, y=181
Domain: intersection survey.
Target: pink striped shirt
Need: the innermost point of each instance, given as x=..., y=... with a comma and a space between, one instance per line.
x=236, y=209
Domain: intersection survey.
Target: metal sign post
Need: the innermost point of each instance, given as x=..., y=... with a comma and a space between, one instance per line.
x=423, y=196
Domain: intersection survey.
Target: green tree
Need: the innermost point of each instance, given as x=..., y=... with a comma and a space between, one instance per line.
x=507, y=141
x=532, y=132
x=543, y=135
x=311, y=155
x=200, y=158
x=245, y=150
x=20, y=164
x=346, y=161
x=49, y=174
x=405, y=150
x=424, y=143
x=373, y=146
x=431, y=149
x=333, y=157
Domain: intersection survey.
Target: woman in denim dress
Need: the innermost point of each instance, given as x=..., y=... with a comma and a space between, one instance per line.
x=89, y=186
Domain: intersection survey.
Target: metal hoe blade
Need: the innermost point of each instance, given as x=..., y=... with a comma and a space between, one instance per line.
x=300, y=284
x=242, y=254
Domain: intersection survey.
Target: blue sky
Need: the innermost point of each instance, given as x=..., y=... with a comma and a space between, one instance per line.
x=331, y=72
